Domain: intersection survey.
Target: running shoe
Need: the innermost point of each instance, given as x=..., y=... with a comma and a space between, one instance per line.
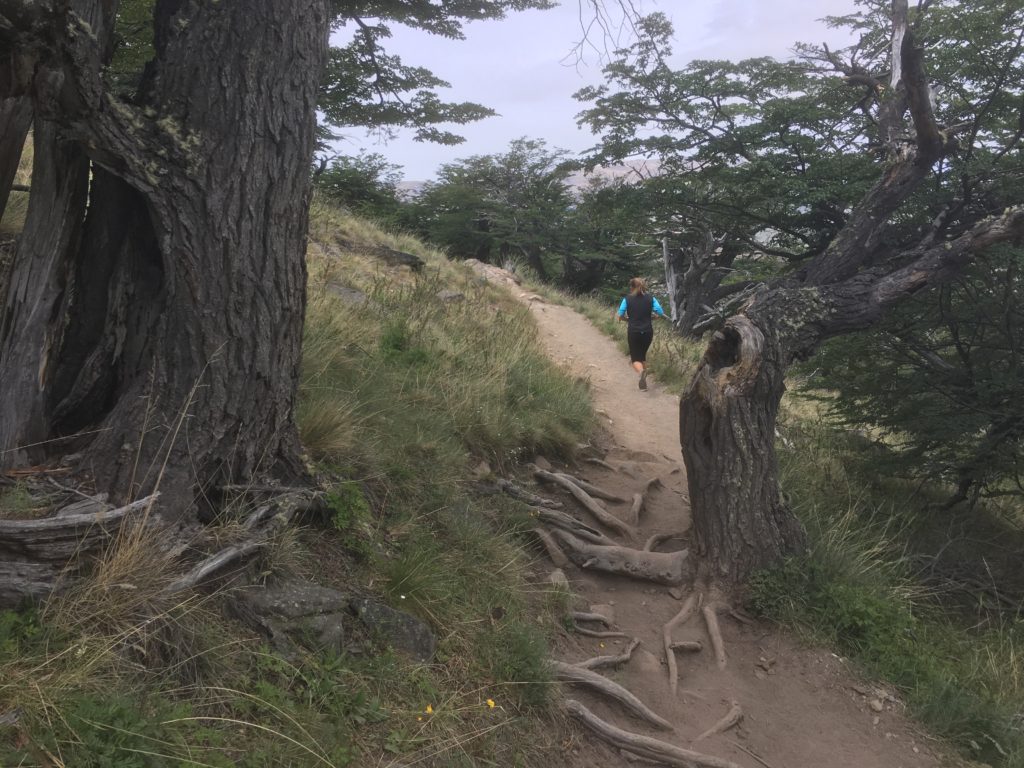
x=643, y=379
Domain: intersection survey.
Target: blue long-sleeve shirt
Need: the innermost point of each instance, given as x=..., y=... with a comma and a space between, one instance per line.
x=656, y=307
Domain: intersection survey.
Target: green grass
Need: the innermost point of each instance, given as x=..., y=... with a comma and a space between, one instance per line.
x=401, y=397
x=863, y=589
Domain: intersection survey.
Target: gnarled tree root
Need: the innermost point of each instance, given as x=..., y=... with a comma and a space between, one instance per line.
x=570, y=524
x=691, y=605
x=570, y=673
x=717, y=644
x=644, y=746
x=551, y=546
x=640, y=500
x=731, y=718
x=592, y=505
x=660, y=538
x=594, y=490
x=669, y=568
x=610, y=661
x=511, y=489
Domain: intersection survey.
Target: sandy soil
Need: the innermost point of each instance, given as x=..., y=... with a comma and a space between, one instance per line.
x=803, y=707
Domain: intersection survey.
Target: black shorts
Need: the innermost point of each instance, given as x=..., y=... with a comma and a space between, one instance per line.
x=639, y=343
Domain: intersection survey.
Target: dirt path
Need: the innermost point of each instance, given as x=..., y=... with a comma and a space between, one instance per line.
x=803, y=708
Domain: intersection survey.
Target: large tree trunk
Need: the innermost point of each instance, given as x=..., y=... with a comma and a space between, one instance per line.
x=180, y=351
x=15, y=120
x=727, y=431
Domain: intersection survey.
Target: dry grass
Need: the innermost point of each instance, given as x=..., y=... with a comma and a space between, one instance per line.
x=13, y=220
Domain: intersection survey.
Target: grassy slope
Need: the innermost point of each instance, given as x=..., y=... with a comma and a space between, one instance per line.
x=401, y=397
x=862, y=587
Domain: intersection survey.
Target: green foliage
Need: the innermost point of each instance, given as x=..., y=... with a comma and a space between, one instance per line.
x=365, y=184
x=18, y=631
x=942, y=381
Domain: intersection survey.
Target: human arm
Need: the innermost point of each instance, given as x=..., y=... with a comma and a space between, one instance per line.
x=657, y=308
x=621, y=313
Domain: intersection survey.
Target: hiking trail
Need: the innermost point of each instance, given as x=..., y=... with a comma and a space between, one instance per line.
x=801, y=707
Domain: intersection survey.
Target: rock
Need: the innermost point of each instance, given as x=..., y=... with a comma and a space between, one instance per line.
x=347, y=295
x=542, y=463
x=677, y=592
x=449, y=296
x=400, y=630
x=295, y=610
x=646, y=663
x=876, y=705
x=397, y=258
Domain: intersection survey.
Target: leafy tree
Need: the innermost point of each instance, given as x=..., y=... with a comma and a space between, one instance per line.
x=366, y=184
x=823, y=164
x=152, y=319
x=500, y=206
x=943, y=378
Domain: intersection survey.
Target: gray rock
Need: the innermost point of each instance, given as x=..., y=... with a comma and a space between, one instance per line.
x=403, y=632
x=295, y=610
x=449, y=296
x=348, y=295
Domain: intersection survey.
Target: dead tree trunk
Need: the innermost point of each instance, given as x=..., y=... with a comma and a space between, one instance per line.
x=179, y=350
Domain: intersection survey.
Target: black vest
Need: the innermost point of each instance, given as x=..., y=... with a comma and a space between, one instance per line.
x=639, y=310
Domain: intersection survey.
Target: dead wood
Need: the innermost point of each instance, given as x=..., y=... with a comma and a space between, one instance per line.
x=692, y=604
x=554, y=551
x=729, y=720
x=571, y=525
x=711, y=619
x=516, y=492
x=644, y=746
x=669, y=568
x=610, y=661
x=570, y=673
x=592, y=489
x=592, y=505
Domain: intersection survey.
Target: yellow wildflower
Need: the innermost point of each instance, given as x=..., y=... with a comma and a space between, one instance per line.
x=429, y=710
x=490, y=703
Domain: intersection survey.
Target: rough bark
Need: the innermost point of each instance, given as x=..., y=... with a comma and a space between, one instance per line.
x=15, y=120
x=181, y=345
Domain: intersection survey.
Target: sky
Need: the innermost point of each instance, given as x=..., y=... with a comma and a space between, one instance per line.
x=522, y=67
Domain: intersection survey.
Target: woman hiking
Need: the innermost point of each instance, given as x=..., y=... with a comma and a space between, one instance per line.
x=639, y=308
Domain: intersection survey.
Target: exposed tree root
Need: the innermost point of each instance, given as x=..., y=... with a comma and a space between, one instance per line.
x=592, y=505
x=660, y=538
x=585, y=616
x=729, y=720
x=571, y=525
x=690, y=646
x=640, y=499
x=644, y=746
x=570, y=673
x=711, y=619
x=741, y=617
x=669, y=568
x=511, y=489
x=601, y=463
x=280, y=513
x=689, y=607
x=610, y=661
x=592, y=489
x=597, y=632
x=554, y=551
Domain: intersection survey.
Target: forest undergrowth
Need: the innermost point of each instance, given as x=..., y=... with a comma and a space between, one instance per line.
x=920, y=595
x=413, y=386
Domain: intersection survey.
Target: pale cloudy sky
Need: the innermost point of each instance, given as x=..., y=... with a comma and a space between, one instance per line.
x=518, y=67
